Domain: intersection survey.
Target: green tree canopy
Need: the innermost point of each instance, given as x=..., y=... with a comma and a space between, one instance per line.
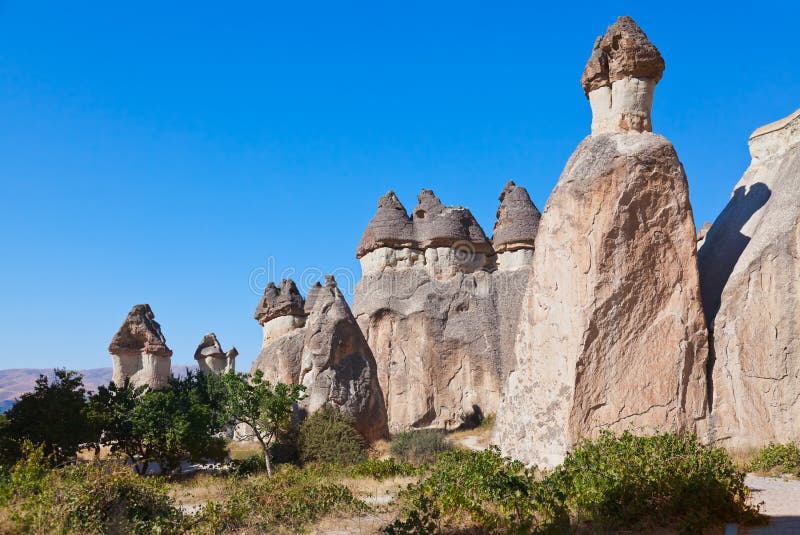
x=51, y=415
x=265, y=409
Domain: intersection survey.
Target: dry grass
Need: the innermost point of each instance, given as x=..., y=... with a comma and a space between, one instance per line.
x=198, y=489
x=240, y=451
x=477, y=438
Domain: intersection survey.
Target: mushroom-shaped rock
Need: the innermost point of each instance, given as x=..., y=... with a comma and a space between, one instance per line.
x=620, y=78
x=390, y=227
x=279, y=301
x=436, y=225
x=517, y=220
x=139, y=350
x=211, y=358
x=614, y=285
x=338, y=367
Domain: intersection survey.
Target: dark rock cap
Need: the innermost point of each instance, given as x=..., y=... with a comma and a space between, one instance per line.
x=279, y=301
x=624, y=51
x=517, y=220
x=140, y=333
x=436, y=225
x=389, y=227
x=210, y=347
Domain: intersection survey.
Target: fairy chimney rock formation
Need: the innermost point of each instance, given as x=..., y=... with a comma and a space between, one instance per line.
x=282, y=315
x=620, y=78
x=516, y=228
x=438, y=306
x=749, y=268
x=442, y=239
x=337, y=365
x=612, y=334
x=139, y=350
x=211, y=358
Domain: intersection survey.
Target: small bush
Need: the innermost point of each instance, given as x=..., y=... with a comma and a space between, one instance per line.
x=381, y=469
x=328, y=436
x=419, y=447
x=251, y=465
x=777, y=459
x=291, y=499
x=628, y=482
x=483, y=490
x=93, y=499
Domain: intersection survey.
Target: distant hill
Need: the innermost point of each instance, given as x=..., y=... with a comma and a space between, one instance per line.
x=15, y=382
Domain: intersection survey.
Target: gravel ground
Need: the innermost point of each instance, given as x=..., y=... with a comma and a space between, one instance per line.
x=781, y=503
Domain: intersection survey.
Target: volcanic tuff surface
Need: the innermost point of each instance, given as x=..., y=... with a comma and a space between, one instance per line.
x=139, y=350
x=612, y=334
x=439, y=315
x=317, y=343
x=750, y=268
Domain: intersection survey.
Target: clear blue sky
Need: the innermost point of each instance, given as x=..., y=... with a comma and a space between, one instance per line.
x=162, y=154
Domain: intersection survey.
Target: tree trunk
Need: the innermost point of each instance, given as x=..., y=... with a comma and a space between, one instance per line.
x=266, y=461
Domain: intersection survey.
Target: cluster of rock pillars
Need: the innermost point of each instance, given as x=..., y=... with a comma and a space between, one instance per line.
x=607, y=311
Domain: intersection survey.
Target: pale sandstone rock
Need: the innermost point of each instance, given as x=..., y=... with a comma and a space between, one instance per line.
x=337, y=365
x=282, y=315
x=317, y=343
x=620, y=78
x=750, y=266
x=439, y=318
x=612, y=334
x=211, y=358
x=139, y=350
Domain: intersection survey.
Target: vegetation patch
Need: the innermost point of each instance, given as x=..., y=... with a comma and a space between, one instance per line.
x=293, y=498
x=777, y=459
x=381, y=469
x=420, y=447
x=328, y=436
x=604, y=485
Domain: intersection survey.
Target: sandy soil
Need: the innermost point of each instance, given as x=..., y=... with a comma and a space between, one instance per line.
x=781, y=499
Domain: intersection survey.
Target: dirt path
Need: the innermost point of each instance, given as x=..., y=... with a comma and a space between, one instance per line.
x=781, y=503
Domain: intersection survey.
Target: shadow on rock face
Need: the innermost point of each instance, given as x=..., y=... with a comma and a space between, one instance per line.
x=725, y=244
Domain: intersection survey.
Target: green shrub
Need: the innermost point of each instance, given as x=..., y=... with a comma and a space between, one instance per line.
x=777, y=459
x=26, y=477
x=291, y=499
x=328, y=436
x=607, y=484
x=481, y=489
x=381, y=469
x=419, y=447
x=251, y=465
x=629, y=482
x=91, y=498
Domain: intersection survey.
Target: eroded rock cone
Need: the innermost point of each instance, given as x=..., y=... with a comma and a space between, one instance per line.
x=139, y=350
x=612, y=330
x=750, y=267
x=211, y=358
x=282, y=315
x=338, y=367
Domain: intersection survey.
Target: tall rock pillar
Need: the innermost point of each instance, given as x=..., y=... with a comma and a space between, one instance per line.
x=612, y=332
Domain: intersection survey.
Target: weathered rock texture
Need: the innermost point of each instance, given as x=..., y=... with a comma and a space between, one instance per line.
x=750, y=268
x=139, y=350
x=211, y=358
x=282, y=316
x=612, y=333
x=620, y=78
x=439, y=309
x=317, y=343
x=337, y=365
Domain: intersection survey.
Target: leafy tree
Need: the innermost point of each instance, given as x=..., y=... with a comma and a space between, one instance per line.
x=265, y=409
x=166, y=426
x=52, y=415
